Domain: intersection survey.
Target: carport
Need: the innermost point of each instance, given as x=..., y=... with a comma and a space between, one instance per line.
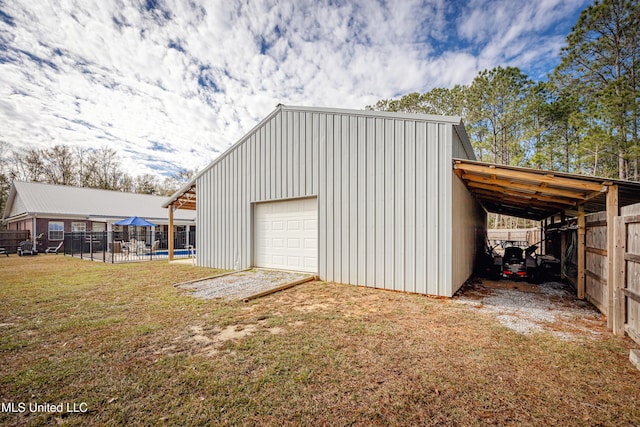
x=551, y=197
x=185, y=198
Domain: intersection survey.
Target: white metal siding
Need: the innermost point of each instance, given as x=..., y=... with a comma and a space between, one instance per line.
x=286, y=235
x=469, y=229
x=383, y=188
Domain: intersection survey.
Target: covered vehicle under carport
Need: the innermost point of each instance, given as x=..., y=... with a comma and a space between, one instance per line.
x=554, y=198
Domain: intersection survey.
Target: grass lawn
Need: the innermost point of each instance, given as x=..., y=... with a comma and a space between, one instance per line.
x=137, y=351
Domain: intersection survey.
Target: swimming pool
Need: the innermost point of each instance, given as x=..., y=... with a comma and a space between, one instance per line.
x=176, y=252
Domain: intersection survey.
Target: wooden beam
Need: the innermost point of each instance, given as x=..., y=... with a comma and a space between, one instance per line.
x=632, y=295
x=620, y=276
x=633, y=219
x=517, y=193
x=592, y=195
x=543, y=235
x=170, y=249
x=532, y=177
x=187, y=206
x=280, y=288
x=580, y=285
x=563, y=244
x=518, y=201
x=632, y=257
x=526, y=211
x=598, y=251
x=501, y=196
x=613, y=211
x=542, y=188
x=596, y=277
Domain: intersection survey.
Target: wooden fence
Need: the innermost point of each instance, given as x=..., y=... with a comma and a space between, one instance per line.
x=626, y=262
x=531, y=235
x=596, y=261
x=10, y=239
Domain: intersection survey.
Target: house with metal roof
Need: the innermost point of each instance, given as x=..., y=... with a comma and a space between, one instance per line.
x=52, y=210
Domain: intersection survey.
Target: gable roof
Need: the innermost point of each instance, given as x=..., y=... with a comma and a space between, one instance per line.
x=455, y=121
x=186, y=196
x=62, y=201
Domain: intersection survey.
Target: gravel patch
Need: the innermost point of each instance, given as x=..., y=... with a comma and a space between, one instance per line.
x=242, y=284
x=549, y=307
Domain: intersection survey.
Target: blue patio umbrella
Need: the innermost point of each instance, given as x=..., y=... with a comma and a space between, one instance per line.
x=134, y=220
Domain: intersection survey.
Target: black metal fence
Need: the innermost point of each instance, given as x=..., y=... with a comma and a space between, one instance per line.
x=111, y=246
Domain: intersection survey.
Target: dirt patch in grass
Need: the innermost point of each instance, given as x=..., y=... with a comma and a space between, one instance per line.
x=140, y=352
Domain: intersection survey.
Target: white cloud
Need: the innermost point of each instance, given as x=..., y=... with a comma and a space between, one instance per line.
x=193, y=76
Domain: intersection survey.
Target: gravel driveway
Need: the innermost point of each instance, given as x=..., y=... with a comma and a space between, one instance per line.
x=527, y=308
x=244, y=284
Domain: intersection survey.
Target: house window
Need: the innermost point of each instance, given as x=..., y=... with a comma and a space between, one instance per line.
x=78, y=227
x=56, y=230
x=98, y=226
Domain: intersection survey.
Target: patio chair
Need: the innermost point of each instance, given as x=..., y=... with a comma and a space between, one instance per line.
x=4, y=251
x=53, y=249
x=125, y=248
x=153, y=247
x=141, y=247
x=27, y=248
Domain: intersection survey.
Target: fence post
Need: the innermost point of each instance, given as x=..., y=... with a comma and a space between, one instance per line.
x=170, y=230
x=613, y=210
x=581, y=253
x=103, y=242
x=619, y=276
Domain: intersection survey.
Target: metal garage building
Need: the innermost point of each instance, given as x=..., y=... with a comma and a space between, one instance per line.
x=360, y=197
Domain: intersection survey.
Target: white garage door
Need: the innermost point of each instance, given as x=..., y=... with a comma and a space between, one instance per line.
x=286, y=235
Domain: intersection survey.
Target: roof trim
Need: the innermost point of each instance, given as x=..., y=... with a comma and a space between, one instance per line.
x=374, y=113
x=466, y=143
x=454, y=120
x=8, y=205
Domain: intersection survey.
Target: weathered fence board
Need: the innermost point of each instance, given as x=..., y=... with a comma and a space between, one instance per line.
x=596, y=268
x=627, y=269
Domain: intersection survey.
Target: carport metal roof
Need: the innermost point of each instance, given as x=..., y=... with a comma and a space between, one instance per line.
x=538, y=194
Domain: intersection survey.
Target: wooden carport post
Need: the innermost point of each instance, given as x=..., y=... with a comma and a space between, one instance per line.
x=613, y=210
x=581, y=252
x=170, y=249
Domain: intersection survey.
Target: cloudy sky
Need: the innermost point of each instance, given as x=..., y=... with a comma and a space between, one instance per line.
x=170, y=84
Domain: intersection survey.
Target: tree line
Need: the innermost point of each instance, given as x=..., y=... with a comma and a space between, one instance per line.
x=81, y=167
x=583, y=118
